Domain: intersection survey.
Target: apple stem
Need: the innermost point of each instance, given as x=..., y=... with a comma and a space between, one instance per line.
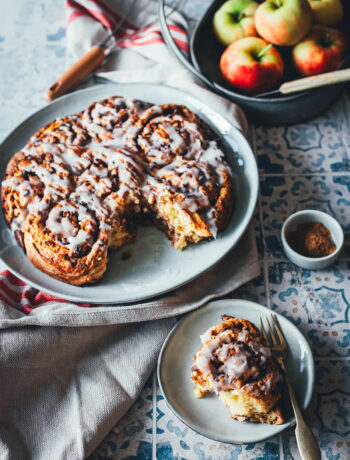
x=262, y=52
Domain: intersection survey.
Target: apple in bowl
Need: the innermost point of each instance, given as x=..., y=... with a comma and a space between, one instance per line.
x=327, y=12
x=323, y=50
x=251, y=65
x=235, y=20
x=283, y=22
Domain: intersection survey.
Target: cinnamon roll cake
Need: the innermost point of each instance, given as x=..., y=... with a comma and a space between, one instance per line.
x=82, y=183
x=235, y=362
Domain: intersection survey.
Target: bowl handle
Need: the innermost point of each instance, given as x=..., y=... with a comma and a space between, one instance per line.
x=174, y=48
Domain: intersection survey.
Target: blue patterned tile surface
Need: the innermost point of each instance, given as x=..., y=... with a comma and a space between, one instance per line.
x=317, y=146
x=132, y=437
x=302, y=166
x=318, y=302
x=329, y=412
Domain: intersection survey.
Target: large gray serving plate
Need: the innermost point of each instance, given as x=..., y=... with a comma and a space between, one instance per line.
x=155, y=266
x=207, y=415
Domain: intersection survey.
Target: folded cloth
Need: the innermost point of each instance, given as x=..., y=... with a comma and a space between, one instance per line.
x=64, y=386
x=140, y=53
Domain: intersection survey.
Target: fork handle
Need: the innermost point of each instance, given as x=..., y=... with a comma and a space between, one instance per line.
x=307, y=443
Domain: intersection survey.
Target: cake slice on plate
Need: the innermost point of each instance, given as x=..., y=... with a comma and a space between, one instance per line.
x=235, y=362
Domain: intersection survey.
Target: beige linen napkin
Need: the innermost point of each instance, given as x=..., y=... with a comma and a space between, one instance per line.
x=64, y=388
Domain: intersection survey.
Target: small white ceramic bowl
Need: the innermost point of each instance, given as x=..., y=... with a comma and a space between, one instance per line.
x=311, y=215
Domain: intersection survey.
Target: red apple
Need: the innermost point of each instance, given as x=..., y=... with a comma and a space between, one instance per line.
x=251, y=65
x=323, y=50
x=235, y=20
x=283, y=22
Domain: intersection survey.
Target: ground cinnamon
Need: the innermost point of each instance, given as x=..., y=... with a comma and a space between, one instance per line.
x=311, y=239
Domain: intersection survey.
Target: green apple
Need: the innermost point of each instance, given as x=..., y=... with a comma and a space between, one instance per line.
x=327, y=12
x=235, y=20
x=283, y=22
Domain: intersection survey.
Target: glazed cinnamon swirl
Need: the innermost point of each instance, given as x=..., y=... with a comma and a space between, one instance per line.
x=115, y=120
x=66, y=130
x=69, y=242
x=235, y=362
x=33, y=182
x=170, y=131
x=81, y=184
x=189, y=185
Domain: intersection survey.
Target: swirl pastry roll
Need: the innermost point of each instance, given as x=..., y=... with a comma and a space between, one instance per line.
x=189, y=200
x=66, y=131
x=33, y=181
x=114, y=121
x=189, y=187
x=69, y=242
x=114, y=177
x=170, y=131
x=235, y=362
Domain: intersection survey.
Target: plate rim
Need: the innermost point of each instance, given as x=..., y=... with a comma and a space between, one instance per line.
x=254, y=189
x=308, y=395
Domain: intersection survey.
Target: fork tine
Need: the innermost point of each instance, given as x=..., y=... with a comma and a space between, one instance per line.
x=263, y=330
x=278, y=330
x=272, y=334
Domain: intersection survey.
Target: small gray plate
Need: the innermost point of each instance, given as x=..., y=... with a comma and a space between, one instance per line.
x=208, y=416
x=155, y=266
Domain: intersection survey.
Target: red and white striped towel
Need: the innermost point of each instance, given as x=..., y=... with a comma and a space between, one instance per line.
x=141, y=54
x=22, y=297
x=133, y=32
x=139, y=43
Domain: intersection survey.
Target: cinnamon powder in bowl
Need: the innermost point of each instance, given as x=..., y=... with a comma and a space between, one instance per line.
x=312, y=239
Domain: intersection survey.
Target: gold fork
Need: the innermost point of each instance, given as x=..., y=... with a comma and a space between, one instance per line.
x=307, y=444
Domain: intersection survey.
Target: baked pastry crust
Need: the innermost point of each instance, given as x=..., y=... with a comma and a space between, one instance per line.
x=189, y=186
x=236, y=363
x=69, y=242
x=66, y=130
x=79, y=185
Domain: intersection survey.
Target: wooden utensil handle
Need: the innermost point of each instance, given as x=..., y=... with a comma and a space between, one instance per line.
x=77, y=73
x=329, y=78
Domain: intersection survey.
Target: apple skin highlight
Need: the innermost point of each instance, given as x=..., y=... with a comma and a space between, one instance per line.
x=251, y=65
x=323, y=50
x=234, y=20
x=283, y=22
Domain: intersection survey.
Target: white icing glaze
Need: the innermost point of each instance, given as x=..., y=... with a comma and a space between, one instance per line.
x=113, y=125
x=232, y=354
x=59, y=222
x=97, y=152
x=51, y=177
x=241, y=336
x=68, y=130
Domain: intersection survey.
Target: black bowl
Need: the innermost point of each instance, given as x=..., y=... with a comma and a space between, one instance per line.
x=275, y=110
